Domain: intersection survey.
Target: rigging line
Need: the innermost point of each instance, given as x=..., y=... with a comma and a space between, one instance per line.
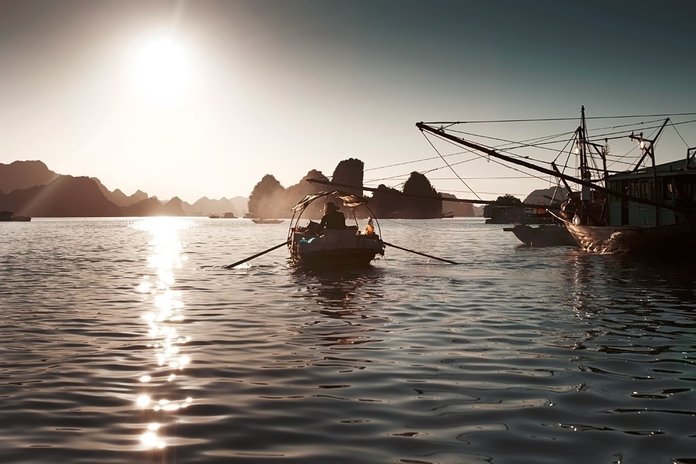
x=450, y=178
x=512, y=142
x=635, y=147
x=413, y=161
x=451, y=168
x=619, y=161
x=564, y=148
x=575, y=118
x=481, y=155
x=543, y=140
x=420, y=227
x=644, y=128
x=399, y=176
x=481, y=178
x=680, y=136
x=616, y=126
x=517, y=155
x=486, y=193
x=453, y=164
x=625, y=134
x=553, y=136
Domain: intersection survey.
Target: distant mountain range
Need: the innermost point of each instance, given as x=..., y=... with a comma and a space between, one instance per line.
x=30, y=188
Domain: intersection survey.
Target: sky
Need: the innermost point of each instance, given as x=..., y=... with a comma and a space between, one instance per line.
x=203, y=98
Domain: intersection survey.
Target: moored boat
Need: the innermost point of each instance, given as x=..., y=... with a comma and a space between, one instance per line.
x=333, y=248
x=544, y=235
x=645, y=210
x=267, y=221
x=9, y=216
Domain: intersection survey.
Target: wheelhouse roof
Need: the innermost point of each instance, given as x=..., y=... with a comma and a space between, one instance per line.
x=674, y=168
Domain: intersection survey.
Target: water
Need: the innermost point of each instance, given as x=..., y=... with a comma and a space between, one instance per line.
x=125, y=341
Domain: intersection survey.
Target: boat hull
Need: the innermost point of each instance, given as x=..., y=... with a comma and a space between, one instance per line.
x=342, y=248
x=671, y=239
x=543, y=235
x=340, y=258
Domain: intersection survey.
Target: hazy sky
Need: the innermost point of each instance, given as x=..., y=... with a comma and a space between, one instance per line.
x=205, y=97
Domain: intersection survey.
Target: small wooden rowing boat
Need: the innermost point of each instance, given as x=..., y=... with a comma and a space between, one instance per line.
x=334, y=247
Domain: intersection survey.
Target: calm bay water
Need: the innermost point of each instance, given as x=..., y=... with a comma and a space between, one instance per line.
x=125, y=341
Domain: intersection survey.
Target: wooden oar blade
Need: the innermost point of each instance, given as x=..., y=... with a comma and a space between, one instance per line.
x=419, y=253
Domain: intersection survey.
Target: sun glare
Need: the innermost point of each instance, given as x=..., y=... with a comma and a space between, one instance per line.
x=161, y=68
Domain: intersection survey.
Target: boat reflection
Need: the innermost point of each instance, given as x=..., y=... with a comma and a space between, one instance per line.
x=164, y=317
x=342, y=302
x=349, y=289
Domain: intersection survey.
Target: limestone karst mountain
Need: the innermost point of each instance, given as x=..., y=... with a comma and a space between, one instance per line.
x=23, y=175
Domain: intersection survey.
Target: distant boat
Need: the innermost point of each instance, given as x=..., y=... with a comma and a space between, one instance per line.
x=544, y=235
x=214, y=216
x=9, y=216
x=267, y=221
x=229, y=216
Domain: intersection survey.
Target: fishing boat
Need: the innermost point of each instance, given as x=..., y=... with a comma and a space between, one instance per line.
x=267, y=221
x=544, y=235
x=643, y=210
x=334, y=247
x=9, y=216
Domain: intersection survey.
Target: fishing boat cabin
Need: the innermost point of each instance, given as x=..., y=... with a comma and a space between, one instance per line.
x=673, y=184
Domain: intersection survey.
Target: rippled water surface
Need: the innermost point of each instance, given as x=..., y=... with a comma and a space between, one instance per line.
x=126, y=341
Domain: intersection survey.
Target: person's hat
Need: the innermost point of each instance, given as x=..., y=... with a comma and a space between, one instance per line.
x=331, y=206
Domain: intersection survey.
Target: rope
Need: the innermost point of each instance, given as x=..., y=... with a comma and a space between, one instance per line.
x=575, y=118
x=420, y=227
x=412, y=162
x=448, y=165
x=680, y=136
x=481, y=155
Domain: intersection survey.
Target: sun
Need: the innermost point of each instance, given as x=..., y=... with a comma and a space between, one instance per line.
x=161, y=68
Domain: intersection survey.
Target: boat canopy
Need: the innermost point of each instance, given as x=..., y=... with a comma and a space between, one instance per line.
x=349, y=200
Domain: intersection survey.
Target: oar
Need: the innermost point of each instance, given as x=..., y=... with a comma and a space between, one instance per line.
x=233, y=265
x=418, y=253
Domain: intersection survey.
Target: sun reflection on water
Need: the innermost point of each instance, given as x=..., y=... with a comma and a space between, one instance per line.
x=164, y=317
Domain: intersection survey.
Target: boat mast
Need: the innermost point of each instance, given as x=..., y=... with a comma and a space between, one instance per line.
x=648, y=147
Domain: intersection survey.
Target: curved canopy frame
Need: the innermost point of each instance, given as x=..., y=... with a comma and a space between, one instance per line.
x=349, y=200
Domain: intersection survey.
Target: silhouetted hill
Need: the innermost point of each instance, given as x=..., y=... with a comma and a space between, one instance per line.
x=269, y=199
x=65, y=196
x=350, y=172
x=153, y=207
x=205, y=206
x=459, y=209
x=544, y=196
x=21, y=191
x=297, y=192
x=388, y=203
x=119, y=198
x=23, y=175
